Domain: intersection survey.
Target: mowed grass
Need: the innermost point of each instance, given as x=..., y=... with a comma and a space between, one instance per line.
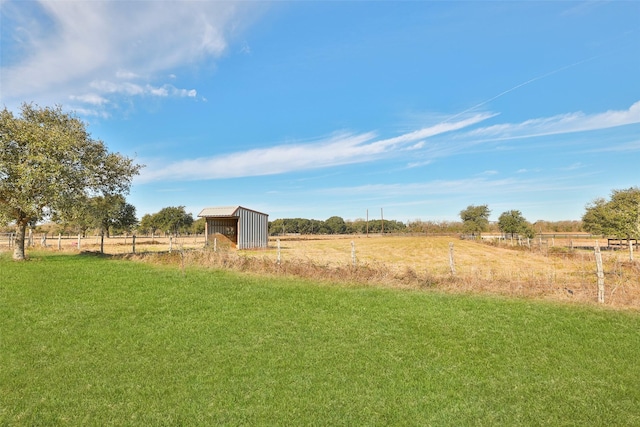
x=88, y=340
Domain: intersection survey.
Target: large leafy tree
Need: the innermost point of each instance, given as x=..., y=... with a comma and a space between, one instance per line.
x=475, y=219
x=49, y=163
x=617, y=217
x=512, y=222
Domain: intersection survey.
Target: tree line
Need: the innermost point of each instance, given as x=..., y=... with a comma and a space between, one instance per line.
x=333, y=225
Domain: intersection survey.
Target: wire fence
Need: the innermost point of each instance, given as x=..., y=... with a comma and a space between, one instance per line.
x=109, y=245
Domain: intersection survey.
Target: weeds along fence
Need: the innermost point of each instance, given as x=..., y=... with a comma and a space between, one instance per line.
x=442, y=264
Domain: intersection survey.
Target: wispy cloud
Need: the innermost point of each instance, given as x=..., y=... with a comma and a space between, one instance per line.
x=347, y=148
x=338, y=149
x=560, y=124
x=91, y=52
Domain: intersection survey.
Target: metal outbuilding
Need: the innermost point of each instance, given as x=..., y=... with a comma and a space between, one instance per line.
x=246, y=228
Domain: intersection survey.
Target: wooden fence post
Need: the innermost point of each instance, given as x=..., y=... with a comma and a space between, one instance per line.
x=600, y=273
x=133, y=239
x=79, y=242
x=631, y=250
x=170, y=243
x=59, y=241
x=353, y=253
x=279, y=259
x=452, y=264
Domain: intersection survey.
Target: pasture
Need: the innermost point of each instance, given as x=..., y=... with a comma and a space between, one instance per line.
x=98, y=340
x=539, y=271
x=560, y=269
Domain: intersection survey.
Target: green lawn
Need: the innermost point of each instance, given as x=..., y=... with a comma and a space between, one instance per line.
x=86, y=340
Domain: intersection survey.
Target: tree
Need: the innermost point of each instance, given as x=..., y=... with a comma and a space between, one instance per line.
x=475, y=218
x=48, y=163
x=109, y=213
x=112, y=213
x=512, y=222
x=619, y=217
x=173, y=219
x=198, y=226
x=336, y=225
x=149, y=224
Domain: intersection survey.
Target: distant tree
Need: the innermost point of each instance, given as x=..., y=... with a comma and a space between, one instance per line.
x=434, y=227
x=567, y=226
x=336, y=225
x=173, y=219
x=111, y=213
x=475, y=219
x=198, y=226
x=513, y=223
x=617, y=217
x=276, y=227
x=48, y=164
x=148, y=224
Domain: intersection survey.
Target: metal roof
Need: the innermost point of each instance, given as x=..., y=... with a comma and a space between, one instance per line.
x=224, y=211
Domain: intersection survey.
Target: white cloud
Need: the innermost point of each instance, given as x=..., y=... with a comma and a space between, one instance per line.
x=90, y=98
x=338, y=149
x=560, y=124
x=86, y=50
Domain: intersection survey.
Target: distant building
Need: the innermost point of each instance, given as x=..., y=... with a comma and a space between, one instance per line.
x=246, y=228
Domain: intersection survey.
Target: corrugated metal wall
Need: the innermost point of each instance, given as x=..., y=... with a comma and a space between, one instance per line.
x=253, y=229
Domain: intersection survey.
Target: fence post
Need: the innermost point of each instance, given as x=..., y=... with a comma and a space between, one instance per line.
x=279, y=259
x=353, y=253
x=59, y=241
x=600, y=273
x=170, y=243
x=452, y=264
x=631, y=250
x=215, y=244
x=133, y=239
x=79, y=242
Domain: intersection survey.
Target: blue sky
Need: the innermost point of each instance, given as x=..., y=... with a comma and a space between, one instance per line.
x=314, y=109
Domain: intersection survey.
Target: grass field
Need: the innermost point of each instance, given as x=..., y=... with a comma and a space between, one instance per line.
x=90, y=340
